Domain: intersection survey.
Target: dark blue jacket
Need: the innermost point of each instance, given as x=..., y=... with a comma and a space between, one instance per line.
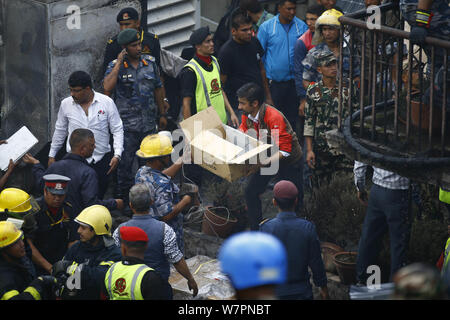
x=303, y=249
x=83, y=187
x=14, y=279
x=97, y=261
x=154, y=255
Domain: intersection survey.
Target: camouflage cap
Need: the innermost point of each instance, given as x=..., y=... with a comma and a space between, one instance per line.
x=324, y=58
x=127, y=36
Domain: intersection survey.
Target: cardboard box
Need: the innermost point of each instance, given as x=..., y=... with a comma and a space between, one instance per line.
x=221, y=149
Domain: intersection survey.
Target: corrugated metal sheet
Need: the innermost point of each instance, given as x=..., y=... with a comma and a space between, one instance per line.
x=173, y=21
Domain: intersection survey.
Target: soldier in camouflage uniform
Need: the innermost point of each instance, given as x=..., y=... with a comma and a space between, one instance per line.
x=135, y=80
x=166, y=195
x=169, y=200
x=321, y=114
x=329, y=42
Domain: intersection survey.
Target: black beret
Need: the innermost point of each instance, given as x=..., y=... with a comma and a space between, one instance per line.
x=199, y=35
x=127, y=14
x=127, y=36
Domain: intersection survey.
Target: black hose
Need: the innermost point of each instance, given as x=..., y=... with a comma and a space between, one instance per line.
x=412, y=162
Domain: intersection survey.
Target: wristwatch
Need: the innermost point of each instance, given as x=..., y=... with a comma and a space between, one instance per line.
x=118, y=157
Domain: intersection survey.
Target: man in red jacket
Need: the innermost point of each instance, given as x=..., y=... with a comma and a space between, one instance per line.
x=269, y=123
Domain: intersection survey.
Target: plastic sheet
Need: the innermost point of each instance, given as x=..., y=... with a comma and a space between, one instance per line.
x=212, y=284
x=364, y=293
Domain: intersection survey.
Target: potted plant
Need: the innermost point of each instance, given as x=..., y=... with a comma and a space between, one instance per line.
x=345, y=263
x=328, y=251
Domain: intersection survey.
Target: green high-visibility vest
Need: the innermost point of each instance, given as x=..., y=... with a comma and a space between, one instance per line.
x=208, y=91
x=446, y=255
x=123, y=282
x=444, y=196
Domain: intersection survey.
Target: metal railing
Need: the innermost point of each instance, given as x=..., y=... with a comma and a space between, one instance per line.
x=401, y=116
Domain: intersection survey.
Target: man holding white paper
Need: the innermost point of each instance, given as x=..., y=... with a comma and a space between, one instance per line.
x=260, y=118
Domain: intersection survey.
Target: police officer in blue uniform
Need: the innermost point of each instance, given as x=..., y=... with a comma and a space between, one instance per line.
x=129, y=18
x=139, y=96
x=302, y=244
x=51, y=229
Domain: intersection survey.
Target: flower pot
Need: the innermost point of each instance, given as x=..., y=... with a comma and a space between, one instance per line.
x=345, y=263
x=328, y=251
x=218, y=221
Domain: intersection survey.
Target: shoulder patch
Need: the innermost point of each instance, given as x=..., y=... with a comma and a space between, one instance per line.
x=149, y=57
x=313, y=87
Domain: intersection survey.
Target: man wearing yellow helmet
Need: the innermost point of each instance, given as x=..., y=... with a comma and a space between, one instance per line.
x=14, y=203
x=15, y=206
x=89, y=258
x=326, y=38
x=157, y=175
x=16, y=278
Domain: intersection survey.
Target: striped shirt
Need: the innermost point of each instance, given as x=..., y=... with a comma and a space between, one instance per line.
x=381, y=177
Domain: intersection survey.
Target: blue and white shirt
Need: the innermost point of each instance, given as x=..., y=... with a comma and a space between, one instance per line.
x=381, y=177
x=278, y=43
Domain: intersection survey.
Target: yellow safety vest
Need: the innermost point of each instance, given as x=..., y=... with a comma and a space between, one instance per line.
x=123, y=282
x=444, y=196
x=446, y=255
x=208, y=91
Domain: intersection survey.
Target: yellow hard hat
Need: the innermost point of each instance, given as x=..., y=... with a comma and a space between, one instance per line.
x=9, y=234
x=98, y=217
x=329, y=17
x=155, y=145
x=15, y=201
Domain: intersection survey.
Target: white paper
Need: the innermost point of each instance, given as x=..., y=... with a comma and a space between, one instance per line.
x=18, y=145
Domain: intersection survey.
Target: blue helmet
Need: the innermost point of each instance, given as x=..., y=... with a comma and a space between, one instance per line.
x=253, y=259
